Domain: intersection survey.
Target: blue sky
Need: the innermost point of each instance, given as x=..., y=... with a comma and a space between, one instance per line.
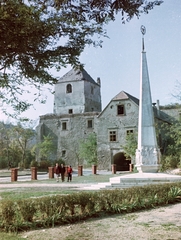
x=117, y=63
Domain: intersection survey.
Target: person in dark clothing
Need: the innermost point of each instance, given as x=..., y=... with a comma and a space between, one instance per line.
x=62, y=172
x=69, y=172
x=57, y=171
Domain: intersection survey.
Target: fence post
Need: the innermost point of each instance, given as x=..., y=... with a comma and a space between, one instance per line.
x=94, y=169
x=14, y=174
x=33, y=173
x=80, y=170
x=131, y=167
x=66, y=173
x=51, y=172
x=113, y=168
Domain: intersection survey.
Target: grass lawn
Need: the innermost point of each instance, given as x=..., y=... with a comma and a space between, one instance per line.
x=27, y=192
x=7, y=173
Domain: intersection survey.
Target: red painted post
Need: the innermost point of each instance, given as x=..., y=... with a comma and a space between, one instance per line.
x=80, y=170
x=131, y=166
x=14, y=174
x=51, y=172
x=33, y=173
x=113, y=168
x=94, y=169
x=66, y=174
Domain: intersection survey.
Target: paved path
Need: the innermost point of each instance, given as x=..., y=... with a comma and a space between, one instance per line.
x=25, y=181
x=38, y=184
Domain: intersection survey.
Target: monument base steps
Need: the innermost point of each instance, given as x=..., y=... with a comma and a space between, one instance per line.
x=135, y=179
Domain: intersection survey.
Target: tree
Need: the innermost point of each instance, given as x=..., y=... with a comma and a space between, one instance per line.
x=5, y=155
x=88, y=149
x=22, y=137
x=45, y=148
x=16, y=142
x=130, y=146
x=38, y=35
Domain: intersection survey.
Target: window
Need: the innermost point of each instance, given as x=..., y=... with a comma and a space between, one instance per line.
x=129, y=131
x=120, y=109
x=89, y=123
x=69, y=88
x=112, y=136
x=70, y=111
x=63, y=153
x=64, y=125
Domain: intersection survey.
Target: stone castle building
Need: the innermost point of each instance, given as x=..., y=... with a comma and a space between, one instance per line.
x=77, y=112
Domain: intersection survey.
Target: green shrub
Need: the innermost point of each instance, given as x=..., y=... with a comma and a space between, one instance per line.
x=43, y=165
x=169, y=162
x=59, y=209
x=3, y=163
x=34, y=163
x=27, y=209
x=7, y=212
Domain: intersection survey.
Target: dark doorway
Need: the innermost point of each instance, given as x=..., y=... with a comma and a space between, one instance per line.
x=121, y=163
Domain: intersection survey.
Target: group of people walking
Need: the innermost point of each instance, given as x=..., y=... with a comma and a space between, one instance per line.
x=60, y=171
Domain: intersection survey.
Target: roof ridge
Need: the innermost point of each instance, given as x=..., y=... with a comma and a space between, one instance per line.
x=76, y=74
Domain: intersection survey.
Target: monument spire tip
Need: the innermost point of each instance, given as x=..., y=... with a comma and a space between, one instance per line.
x=143, y=31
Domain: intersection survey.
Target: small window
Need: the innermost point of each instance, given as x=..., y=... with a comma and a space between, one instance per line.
x=69, y=88
x=70, y=111
x=64, y=125
x=112, y=136
x=129, y=131
x=89, y=123
x=120, y=109
x=63, y=153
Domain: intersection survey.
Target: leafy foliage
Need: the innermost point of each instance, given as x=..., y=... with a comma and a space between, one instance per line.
x=23, y=136
x=170, y=144
x=16, y=142
x=45, y=148
x=88, y=149
x=39, y=35
x=54, y=210
x=130, y=145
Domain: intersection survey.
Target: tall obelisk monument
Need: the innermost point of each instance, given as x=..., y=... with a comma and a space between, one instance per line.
x=147, y=153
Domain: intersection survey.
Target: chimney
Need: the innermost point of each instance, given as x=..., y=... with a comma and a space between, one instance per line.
x=158, y=107
x=99, y=81
x=158, y=104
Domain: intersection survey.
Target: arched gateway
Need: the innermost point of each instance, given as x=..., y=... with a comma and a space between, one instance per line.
x=122, y=164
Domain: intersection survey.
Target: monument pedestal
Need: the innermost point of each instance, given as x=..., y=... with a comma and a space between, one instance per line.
x=136, y=180
x=148, y=168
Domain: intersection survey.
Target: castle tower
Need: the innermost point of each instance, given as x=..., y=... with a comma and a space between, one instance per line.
x=147, y=153
x=77, y=92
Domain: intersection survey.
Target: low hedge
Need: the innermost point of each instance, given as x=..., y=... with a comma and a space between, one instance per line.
x=49, y=211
